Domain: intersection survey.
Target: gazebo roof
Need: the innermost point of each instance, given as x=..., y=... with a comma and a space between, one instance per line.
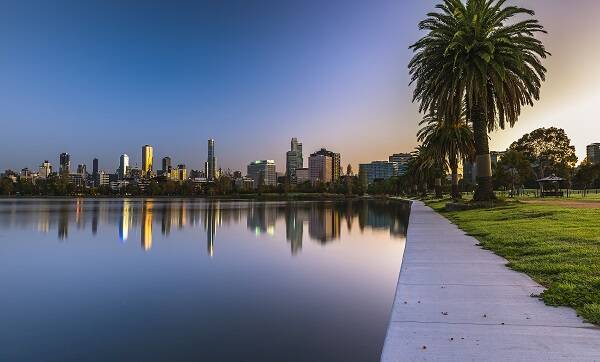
x=552, y=178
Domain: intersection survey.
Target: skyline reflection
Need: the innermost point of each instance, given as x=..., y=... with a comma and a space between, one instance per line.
x=323, y=221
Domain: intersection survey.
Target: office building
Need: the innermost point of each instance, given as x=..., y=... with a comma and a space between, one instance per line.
x=76, y=179
x=336, y=167
x=45, y=169
x=211, y=162
x=101, y=179
x=294, y=159
x=147, y=160
x=65, y=164
x=95, y=168
x=593, y=153
x=82, y=169
x=320, y=168
x=376, y=170
x=400, y=161
x=181, y=173
x=302, y=175
x=263, y=173
x=123, y=166
x=166, y=165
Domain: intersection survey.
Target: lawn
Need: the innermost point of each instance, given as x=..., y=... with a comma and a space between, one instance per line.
x=557, y=246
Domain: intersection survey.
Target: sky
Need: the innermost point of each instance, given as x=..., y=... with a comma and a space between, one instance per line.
x=102, y=78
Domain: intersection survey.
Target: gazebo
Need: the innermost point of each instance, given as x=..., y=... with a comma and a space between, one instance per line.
x=551, y=186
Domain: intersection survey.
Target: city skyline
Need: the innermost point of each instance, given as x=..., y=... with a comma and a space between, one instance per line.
x=350, y=94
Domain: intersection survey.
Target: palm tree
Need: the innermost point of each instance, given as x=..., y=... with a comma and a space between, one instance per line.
x=423, y=167
x=451, y=139
x=477, y=55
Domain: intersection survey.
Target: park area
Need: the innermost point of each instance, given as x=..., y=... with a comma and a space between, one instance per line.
x=556, y=241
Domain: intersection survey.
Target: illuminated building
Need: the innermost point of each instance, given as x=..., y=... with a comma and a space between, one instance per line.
x=82, y=169
x=181, y=173
x=147, y=159
x=123, y=166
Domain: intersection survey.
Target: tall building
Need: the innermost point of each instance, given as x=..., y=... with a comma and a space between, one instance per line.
x=166, y=165
x=45, y=169
x=181, y=173
x=211, y=161
x=336, y=166
x=263, y=173
x=147, y=159
x=95, y=168
x=376, y=170
x=400, y=161
x=82, y=169
x=294, y=159
x=320, y=168
x=593, y=153
x=65, y=164
x=123, y=166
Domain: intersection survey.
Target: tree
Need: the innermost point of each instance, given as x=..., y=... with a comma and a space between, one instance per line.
x=549, y=151
x=451, y=140
x=512, y=170
x=586, y=174
x=477, y=55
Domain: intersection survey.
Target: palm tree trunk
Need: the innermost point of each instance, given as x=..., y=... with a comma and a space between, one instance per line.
x=454, y=170
x=438, y=187
x=485, y=189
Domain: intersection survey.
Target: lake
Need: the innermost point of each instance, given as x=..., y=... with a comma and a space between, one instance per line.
x=157, y=279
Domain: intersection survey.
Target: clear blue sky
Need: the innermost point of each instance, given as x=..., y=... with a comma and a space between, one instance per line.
x=97, y=79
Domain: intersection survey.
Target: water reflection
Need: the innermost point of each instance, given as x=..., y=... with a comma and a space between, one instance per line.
x=323, y=221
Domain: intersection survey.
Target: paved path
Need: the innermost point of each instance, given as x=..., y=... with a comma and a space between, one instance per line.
x=458, y=302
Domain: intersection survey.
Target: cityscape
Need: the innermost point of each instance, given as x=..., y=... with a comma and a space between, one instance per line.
x=304, y=180
x=323, y=167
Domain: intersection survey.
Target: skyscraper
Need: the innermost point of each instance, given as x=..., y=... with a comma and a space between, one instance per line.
x=65, y=164
x=123, y=166
x=95, y=166
x=211, y=162
x=147, y=159
x=166, y=165
x=294, y=159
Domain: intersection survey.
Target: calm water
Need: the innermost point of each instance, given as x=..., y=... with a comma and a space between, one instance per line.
x=144, y=280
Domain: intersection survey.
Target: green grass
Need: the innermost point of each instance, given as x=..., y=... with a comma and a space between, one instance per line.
x=557, y=246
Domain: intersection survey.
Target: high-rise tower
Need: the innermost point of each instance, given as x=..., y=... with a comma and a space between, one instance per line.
x=294, y=159
x=65, y=164
x=123, y=166
x=211, y=162
x=147, y=159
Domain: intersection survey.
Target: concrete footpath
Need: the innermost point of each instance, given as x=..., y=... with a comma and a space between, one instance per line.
x=458, y=302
